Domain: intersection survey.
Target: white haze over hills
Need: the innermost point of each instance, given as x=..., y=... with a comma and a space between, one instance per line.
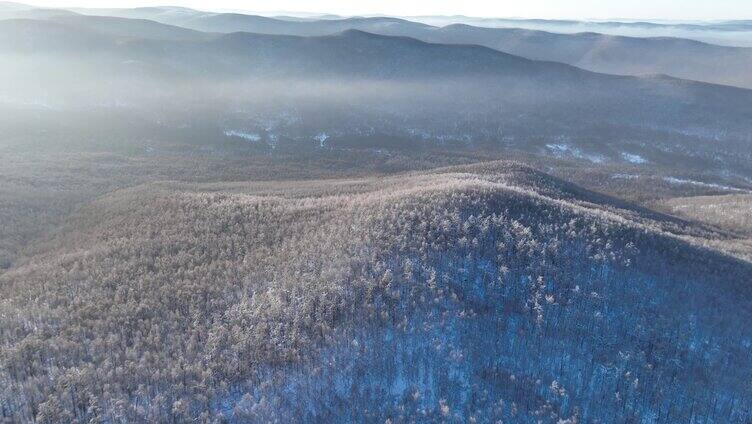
x=723, y=32
x=647, y=52
x=733, y=30
x=548, y=9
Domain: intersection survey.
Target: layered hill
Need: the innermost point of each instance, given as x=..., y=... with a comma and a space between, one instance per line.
x=489, y=292
x=600, y=52
x=728, y=33
x=614, y=54
x=681, y=58
x=353, y=88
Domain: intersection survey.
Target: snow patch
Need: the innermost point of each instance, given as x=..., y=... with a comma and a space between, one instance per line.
x=558, y=149
x=561, y=150
x=273, y=140
x=681, y=181
x=625, y=177
x=252, y=137
x=632, y=158
x=321, y=138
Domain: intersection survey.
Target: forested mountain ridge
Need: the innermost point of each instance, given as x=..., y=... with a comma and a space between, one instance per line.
x=372, y=299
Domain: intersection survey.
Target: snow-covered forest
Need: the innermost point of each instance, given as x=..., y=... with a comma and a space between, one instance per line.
x=473, y=293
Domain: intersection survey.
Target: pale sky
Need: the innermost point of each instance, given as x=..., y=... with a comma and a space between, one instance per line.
x=564, y=9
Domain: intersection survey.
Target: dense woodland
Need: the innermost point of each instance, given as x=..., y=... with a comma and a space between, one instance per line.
x=39, y=189
x=483, y=293
x=731, y=212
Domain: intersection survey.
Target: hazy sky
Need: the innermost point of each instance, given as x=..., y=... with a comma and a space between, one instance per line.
x=582, y=9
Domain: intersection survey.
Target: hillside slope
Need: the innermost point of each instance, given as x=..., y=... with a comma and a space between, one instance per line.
x=484, y=292
x=730, y=212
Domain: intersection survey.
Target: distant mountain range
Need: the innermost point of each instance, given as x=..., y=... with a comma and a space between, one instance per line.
x=681, y=58
x=356, y=89
x=359, y=89
x=731, y=33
